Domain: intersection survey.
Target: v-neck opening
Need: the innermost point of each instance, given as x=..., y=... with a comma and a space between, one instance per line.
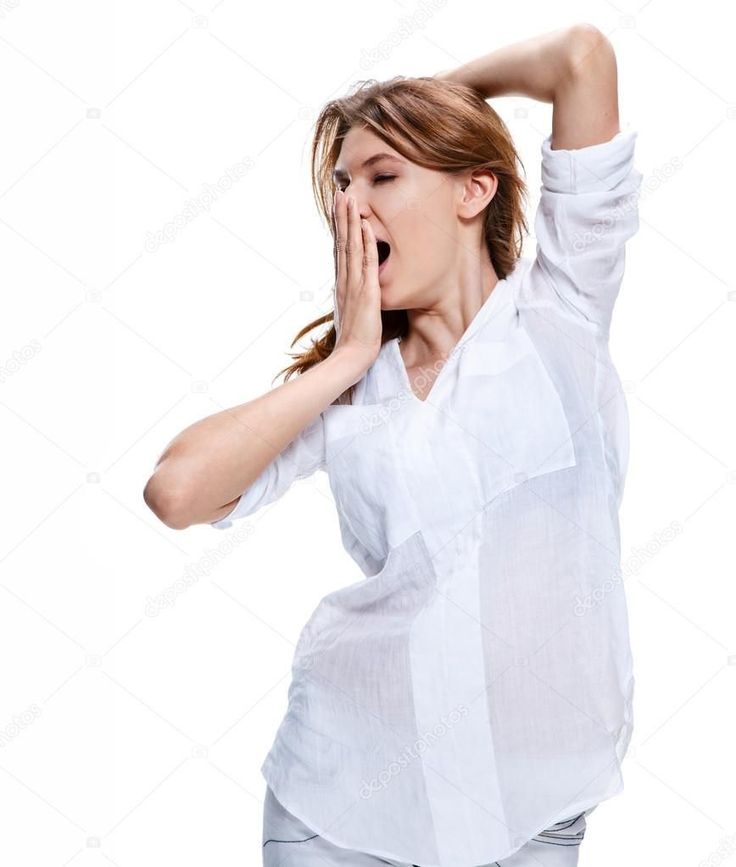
x=473, y=326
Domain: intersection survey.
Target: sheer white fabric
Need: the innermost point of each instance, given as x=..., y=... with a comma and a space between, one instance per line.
x=476, y=686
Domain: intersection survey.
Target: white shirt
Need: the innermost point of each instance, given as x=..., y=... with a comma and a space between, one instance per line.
x=476, y=686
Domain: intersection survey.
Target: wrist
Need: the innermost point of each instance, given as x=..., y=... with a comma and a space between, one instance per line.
x=472, y=75
x=350, y=365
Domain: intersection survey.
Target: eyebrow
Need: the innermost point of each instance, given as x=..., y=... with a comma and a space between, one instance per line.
x=341, y=174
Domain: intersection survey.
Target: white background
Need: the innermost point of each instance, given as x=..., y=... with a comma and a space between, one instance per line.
x=131, y=731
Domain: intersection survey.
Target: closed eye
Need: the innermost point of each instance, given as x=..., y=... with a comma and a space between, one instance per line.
x=377, y=180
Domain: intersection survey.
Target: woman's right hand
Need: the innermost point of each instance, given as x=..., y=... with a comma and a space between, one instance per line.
x=358, y=322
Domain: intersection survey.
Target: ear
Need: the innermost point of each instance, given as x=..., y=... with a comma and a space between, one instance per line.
x=476, y=190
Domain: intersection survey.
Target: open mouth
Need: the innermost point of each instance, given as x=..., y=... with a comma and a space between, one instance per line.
x=384, y=251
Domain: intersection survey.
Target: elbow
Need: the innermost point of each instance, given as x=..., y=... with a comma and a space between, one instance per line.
x=587, y=48
x=166, y=503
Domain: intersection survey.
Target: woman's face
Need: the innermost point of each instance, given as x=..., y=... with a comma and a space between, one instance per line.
x=423, y=214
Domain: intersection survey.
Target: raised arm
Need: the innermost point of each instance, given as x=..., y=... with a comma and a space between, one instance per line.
x=574, y=68
x=588, y=207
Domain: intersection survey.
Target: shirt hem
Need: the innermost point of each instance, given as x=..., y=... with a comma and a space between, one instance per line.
x=584, y=805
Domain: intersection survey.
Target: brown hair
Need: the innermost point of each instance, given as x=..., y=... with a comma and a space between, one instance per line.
x=434, y=123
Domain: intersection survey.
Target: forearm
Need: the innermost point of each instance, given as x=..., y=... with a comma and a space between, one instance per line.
x=210, y=463
x=535, y=67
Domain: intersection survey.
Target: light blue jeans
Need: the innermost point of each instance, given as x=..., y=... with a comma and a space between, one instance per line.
x=288, y=842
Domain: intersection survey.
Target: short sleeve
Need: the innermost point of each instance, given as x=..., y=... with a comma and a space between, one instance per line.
x=589, y=208
x=301, y=458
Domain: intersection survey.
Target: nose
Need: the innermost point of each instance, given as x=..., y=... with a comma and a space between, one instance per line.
x=365, y=214
x=361, y=209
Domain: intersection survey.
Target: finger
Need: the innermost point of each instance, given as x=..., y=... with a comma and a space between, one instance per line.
x=336, y=317
x=333, y=229
x=370, y=254
x=354, y=245
x=340, y=244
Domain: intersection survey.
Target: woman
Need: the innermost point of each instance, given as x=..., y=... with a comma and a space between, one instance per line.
x=469, y=701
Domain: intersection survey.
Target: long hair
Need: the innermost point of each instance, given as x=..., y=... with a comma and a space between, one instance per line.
x=437, y=124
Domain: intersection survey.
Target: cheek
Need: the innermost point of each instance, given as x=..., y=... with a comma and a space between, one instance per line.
x=424, y=236
x=433, y=229
x=421, y=233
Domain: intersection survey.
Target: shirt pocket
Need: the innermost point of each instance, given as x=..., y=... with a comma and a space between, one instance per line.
x=363, y=465
x=510, y=413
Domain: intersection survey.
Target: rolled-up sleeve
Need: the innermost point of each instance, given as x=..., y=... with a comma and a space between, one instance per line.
x=301, y=458
x=588, y=209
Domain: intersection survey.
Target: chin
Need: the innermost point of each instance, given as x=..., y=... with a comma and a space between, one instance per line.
x=393, y=299
x=387, y=301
